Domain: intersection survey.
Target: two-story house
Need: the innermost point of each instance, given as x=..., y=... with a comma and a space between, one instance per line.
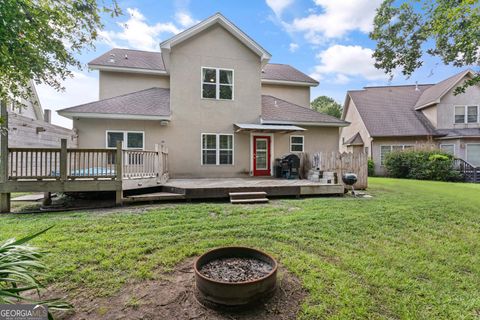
x=399, y=117
x=212, y=97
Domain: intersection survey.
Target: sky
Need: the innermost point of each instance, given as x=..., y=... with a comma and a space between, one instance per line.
x=325, y=39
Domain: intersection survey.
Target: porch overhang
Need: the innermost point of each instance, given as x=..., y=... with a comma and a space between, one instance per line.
x=267, y=128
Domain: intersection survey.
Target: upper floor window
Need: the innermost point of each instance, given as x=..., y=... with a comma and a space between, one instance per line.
x=217, y=83
x=466, y=114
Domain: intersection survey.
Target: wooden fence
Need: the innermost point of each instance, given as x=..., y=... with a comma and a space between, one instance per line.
x=340, y=163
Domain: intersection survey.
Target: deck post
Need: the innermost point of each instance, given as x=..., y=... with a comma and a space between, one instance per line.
x=157, y=165
x=119, y=174
x=4, y=197
x=63, y=160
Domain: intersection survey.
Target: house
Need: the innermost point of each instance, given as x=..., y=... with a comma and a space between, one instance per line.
x=212, y=97
x=390, y=118
x=30, y=125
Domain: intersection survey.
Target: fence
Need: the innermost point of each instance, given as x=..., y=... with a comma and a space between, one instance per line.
x=340, y=163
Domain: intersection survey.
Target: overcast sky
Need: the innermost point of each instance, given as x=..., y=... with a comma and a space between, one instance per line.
x=324, y=38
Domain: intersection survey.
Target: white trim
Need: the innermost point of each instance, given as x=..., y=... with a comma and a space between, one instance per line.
x=466, y=152
x=126, y=69
x=217, y=149
x=450, y=144
x=125, y=137
x=297, y=144
x=313, y=124
x=290, y=83
x=220, y=19
x=116, y=116
x=217, y=83
x=272, y=150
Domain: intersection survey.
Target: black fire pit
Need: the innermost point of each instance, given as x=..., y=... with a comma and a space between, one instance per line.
x=234, y=277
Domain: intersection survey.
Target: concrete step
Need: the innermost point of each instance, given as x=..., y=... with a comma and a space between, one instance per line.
x=251, y=200
x=247, y=195
x=157, y=196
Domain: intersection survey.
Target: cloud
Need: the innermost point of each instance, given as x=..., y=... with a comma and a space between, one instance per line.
x=278, y=6
x=136, y=33
x=82, y=88
x=336, y=20
x=293, y=47
x=344, y=62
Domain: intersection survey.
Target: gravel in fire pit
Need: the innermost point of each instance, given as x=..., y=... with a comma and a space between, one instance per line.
x=235, y=269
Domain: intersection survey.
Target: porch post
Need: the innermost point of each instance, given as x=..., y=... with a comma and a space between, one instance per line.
x=119, y=174
x=4, y=197
x=63, y=160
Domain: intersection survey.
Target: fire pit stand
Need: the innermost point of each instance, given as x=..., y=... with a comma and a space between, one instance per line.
x=234, y=295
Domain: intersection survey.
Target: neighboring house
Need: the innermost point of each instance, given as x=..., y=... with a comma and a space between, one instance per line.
x=212, y=97
x=30, y=126
x=398, y=117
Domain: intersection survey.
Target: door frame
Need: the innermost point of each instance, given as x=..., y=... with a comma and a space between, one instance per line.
x=272, y=149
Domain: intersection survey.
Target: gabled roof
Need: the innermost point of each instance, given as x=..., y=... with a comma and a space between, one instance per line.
x=135, y=60
x=278, y=111
x=389, y=111
x=436, y=92
x=148, y=104
x=281, y=73
x=356, y=140
x=217, y=18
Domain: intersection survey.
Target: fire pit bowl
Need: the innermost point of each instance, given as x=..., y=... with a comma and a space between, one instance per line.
x=226, y=292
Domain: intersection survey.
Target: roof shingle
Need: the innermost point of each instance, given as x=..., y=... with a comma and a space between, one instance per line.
x=275, y=109
x=285, y=72
x=128, y=58
x=148, y=102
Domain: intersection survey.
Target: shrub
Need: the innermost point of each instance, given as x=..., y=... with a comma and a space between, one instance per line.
x=422, y=165
x=371, y=168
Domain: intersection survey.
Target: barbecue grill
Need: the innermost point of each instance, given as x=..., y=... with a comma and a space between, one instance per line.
x=350, y=179
x=287, y=166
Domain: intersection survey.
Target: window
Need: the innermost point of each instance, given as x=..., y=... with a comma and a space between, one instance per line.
x=217, y=148
x=473, y=154
x=448, y=148
x=132, y=139
x=217, y=84
x=296, y=143
x=384, y=150
x=459, y=114
x=472, y=114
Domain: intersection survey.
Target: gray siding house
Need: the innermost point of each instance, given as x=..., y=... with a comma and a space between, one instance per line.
x=399, y=117
x=212, y=97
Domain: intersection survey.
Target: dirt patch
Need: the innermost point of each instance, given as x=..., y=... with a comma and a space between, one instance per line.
x=173, y=297
x=235, y=269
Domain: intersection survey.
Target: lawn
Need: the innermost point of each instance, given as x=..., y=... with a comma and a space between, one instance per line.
x=412, y=251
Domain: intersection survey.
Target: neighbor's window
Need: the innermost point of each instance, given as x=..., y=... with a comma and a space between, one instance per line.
x=384, y=150
x=217, y=148
x=448, y=148
x=296, y=143
x=472, y=114
x=132, y=139
x=459, y=114
x=473, y=153
x=217, y=83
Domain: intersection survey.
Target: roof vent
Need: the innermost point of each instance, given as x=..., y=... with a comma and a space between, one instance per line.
x=416, y=86
x=126, y=57
x=263, y=70
x=112, y=58
x=275, y=103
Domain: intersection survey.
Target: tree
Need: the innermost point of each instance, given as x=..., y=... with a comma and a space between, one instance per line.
x=39, y=40
x=447, y=29
x=327, y=105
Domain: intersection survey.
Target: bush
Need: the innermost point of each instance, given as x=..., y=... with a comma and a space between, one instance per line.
x=422, y=165
x=371, y=168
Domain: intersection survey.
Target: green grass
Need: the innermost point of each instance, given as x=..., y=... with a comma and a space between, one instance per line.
x=412, y=251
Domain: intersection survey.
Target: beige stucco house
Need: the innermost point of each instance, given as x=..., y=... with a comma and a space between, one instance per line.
x=399, y=117
x=211, y=95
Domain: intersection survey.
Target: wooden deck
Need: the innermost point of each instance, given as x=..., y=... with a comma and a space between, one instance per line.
x=221, y=187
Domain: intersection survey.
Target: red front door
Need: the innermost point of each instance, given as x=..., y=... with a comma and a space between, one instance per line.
x=261, y=155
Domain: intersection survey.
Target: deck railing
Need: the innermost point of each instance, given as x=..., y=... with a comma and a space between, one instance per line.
x=469, y=172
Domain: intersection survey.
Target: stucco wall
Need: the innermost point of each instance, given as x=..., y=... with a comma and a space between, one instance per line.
x=445, y=109
x=431, y=114
x=296, y=94
x=113, y=84
x=356, y=125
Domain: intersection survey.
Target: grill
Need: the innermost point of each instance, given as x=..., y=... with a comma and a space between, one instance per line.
x=287, y=166
x=350, y=179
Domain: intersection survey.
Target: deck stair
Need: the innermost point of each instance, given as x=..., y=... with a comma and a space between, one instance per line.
x=248, y=197
x=156, y=196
